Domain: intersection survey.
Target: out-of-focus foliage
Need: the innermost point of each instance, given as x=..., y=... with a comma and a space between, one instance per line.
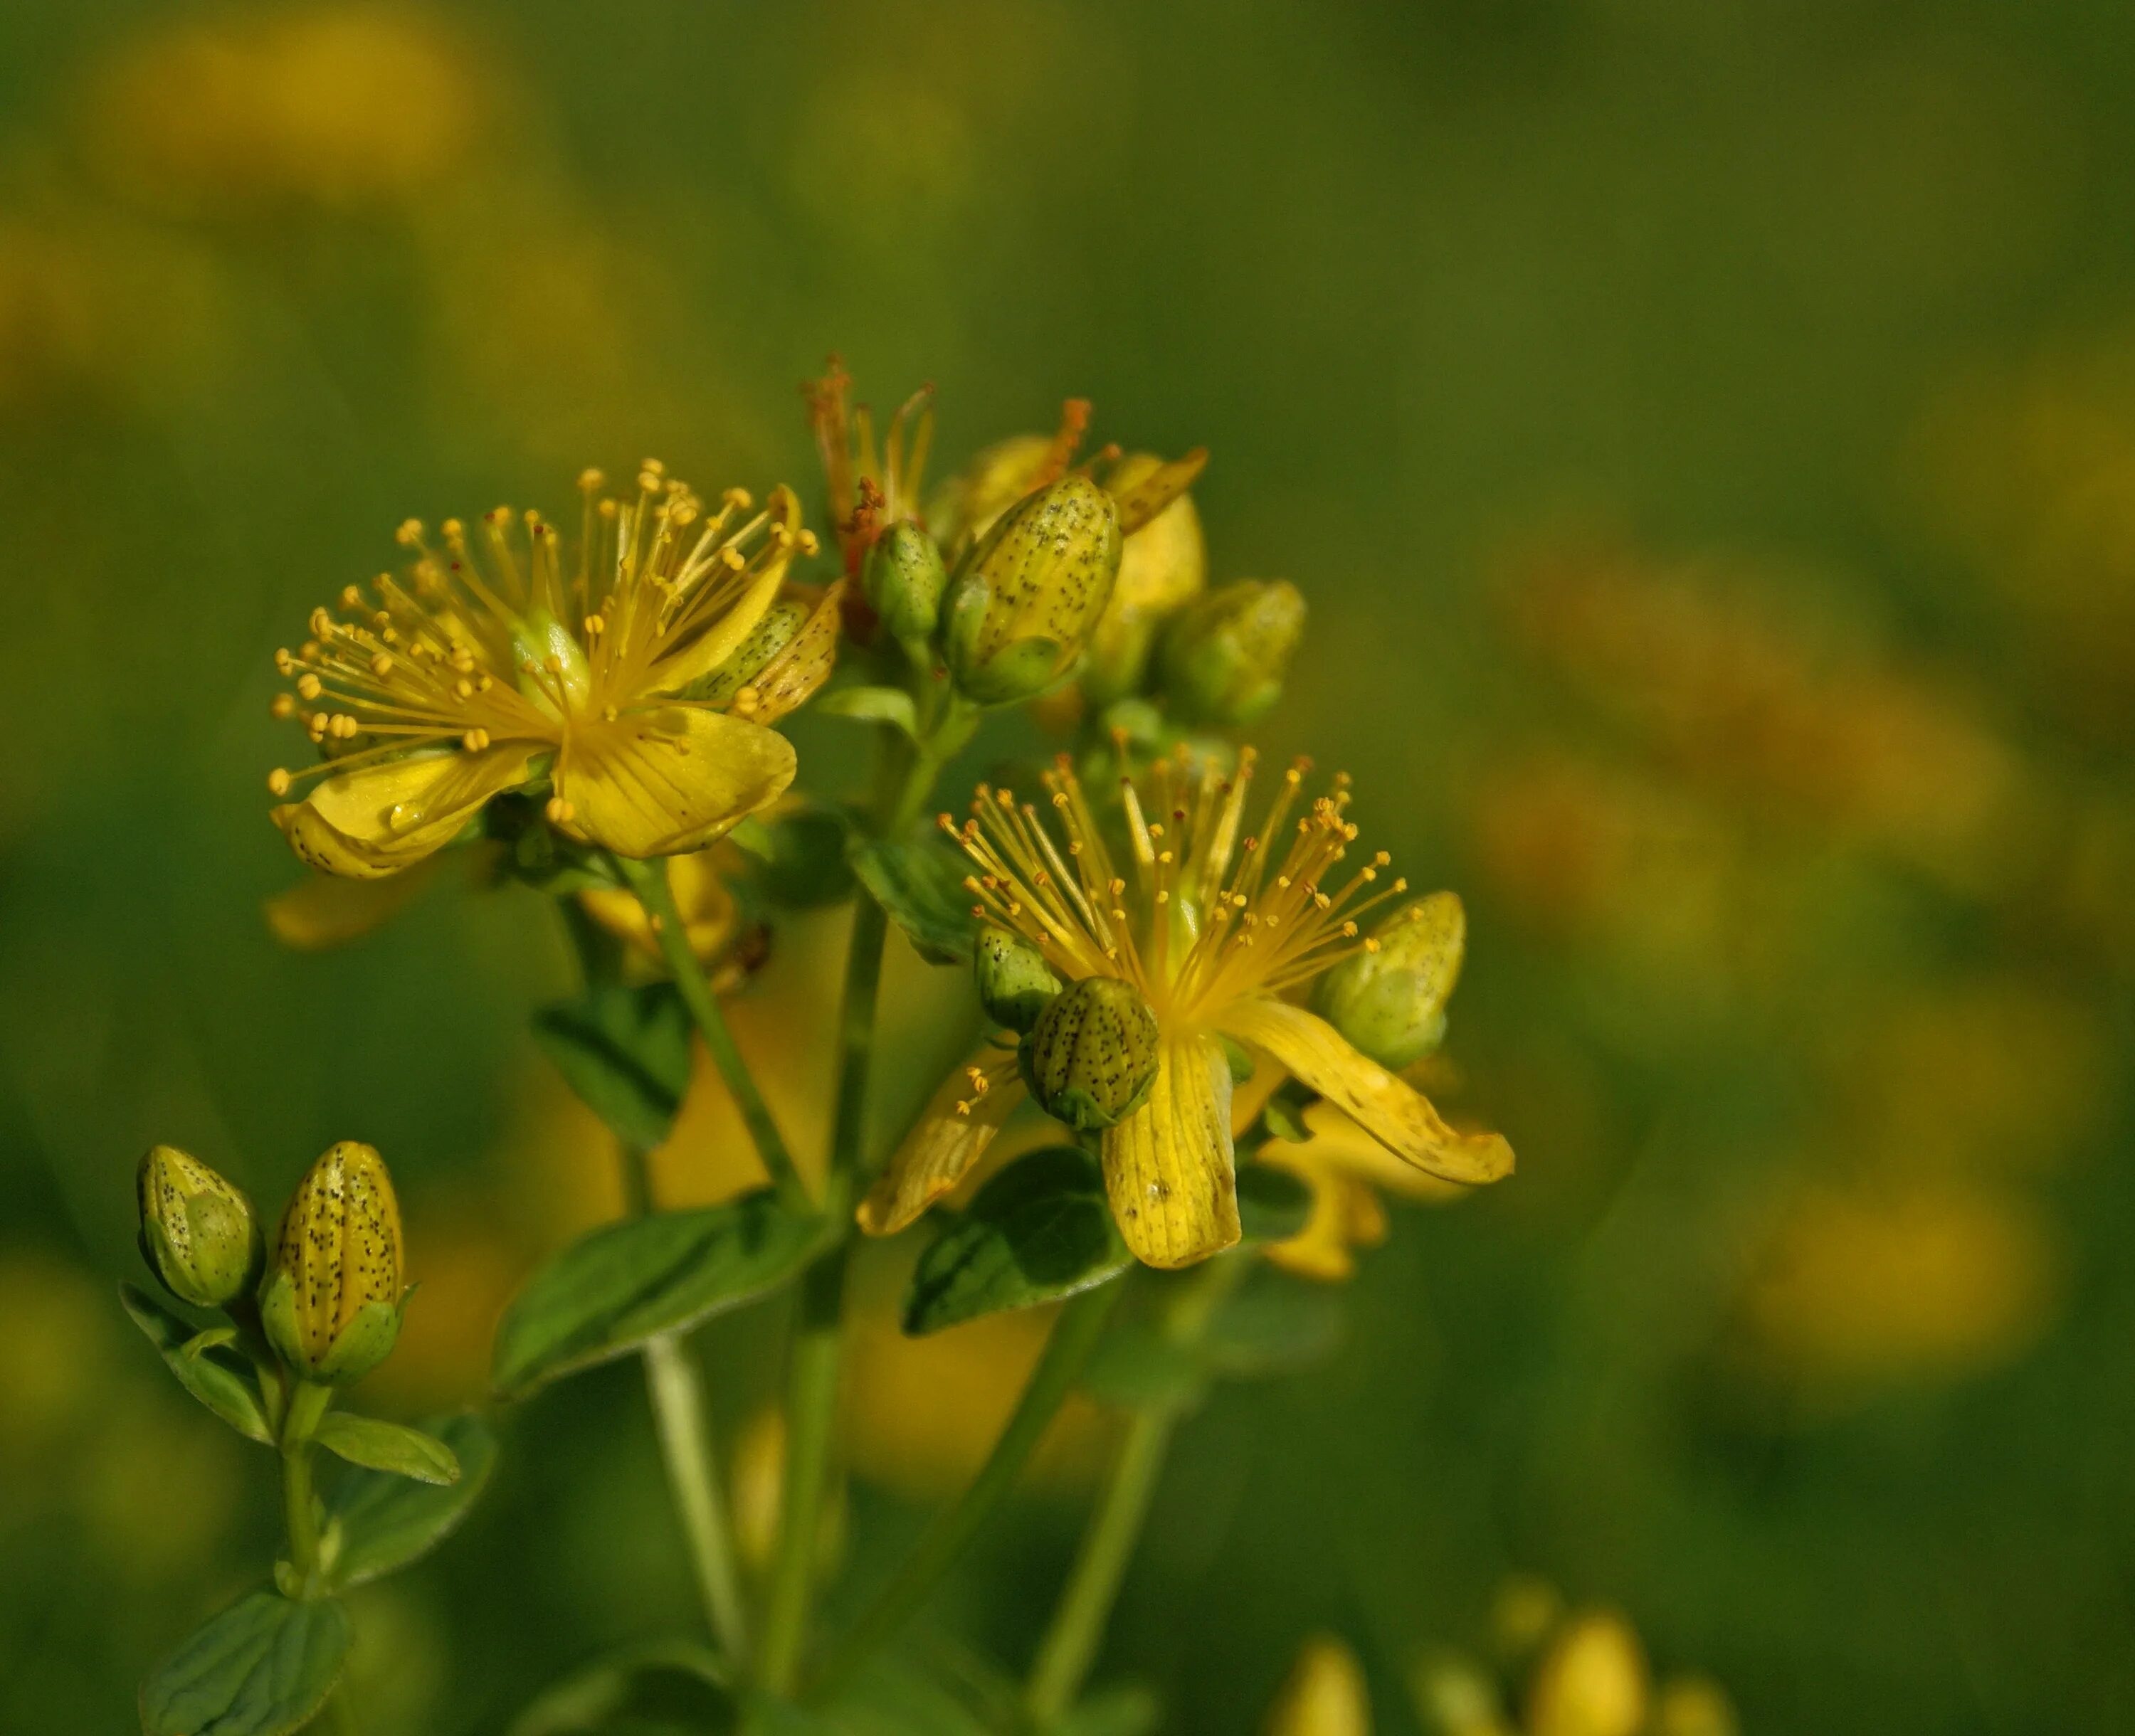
x=1705, y=438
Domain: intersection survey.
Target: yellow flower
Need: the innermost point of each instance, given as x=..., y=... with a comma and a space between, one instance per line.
x=1323, y=1694
x=1591, y=1681
x=1347, y=1170
x=1213, y=930
x=489, y=667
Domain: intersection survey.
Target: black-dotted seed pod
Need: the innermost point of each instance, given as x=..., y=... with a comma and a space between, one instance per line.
x=331, y=1301
x=198, y=1231
x=1389, y=1000
x=1021, y=605
x=902, y=582
x=1091, y=1057
x=1015, y=984
x=1225, y=653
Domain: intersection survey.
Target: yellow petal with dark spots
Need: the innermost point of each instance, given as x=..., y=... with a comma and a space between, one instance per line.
x=379, y=820
x=660, y=782
x=951, y=1133
x=1396, y=1113
x=1168, y=1165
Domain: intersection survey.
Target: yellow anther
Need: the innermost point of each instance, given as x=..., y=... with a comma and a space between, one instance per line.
x=382, y=663
x=410, y=533
x=277, y=782
x=308, y=685
x=282, y=706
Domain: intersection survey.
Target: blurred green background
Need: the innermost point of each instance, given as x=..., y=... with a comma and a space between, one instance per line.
x=1704, y=430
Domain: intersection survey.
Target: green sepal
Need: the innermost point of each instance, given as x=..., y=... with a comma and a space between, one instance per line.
x=366, y=1341
x=263, y=1666
x=627, y=1282
x=1274, y=1203
x=1039, y=1230
x=1022, y=670
x=891, y=706
x=625, y=1051
x=921, y=885
x=205, y=1365
x=1285, y=1120
x=382, y=1522
x=653, y=1686
x=378, y=1445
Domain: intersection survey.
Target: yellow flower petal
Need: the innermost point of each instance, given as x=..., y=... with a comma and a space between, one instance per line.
x=1346, y=1214
x=1168, y=1165
x=1156, y=489
x=324, y=910
x=1392, y=1111
x=955, y=1127
x=660, y=782
x=790, y=679
x=676, y=668
x=1338, y=1144
x=1324, y=1695
x=379, y=820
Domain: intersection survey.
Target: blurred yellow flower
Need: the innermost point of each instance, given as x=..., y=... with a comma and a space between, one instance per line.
x=485, y=672
x=1900, y=1279
x=1209, y=947
x=711, y=916
x=333, y=106
x=1323, y=1694
x=1591, y=1681
x=1347, y=1170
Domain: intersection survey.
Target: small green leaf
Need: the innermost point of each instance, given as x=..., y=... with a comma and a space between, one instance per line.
x=263, y=1666
x=922, y=886
x=1285, y=1121
x=377, y=1445
x=205, y=1367
x=1131, y=1710
x=889, y=705
x=384, y=1521
x=799, y=857
x=1276, y=1324
x=1274, y=1203
x=1039, y=1230
x=1136, y=1367
x=626, y=1052
x=624, y=1283
x=659, y=1685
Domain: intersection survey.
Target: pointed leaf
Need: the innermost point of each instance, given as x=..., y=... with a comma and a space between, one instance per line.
x=1274, y=1203
x=659, y=1685
x=263, y=1666
x=624, y=1283
x=1039, y=1230
x=384, y=1522
x=626, y=1051
x=889, y=705
x=922, y=886
x=378, y=1445
x=205, y=1367
x=799, y=855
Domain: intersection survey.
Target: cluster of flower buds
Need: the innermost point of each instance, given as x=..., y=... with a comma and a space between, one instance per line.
x=329, y=1297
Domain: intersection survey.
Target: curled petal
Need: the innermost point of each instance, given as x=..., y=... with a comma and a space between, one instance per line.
x=1387, y=1107
x=1346, y=1214
x=379, y=820
x=660, y=782
x=790, y=679
x=1156, y=489
x=955, y=1127
x=1168, y=1165
x=679, y=665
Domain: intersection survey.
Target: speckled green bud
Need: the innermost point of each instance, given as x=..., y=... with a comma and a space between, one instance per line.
x=198, y=1232
x=1091, y=1057
x=332, y=1297
x=1225, y=653
x=902, y=582
x=1021, y=605
x=780, y=626
x=1389, y=1000
x=1015, y=984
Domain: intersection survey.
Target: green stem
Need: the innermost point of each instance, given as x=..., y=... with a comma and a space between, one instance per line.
x=648, y=880
x=676, y=1388
x=816, y=1356
x=1080, y=1324
x=1072, y=1636
x=307, y=1402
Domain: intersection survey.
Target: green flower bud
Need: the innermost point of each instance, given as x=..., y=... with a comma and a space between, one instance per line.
x=1021, y=605
x=1225, y=653
x=198, y=1232
x=1389, y=1000
x=781, y=625
x=1091, y=1057
x=1015, y=984
x=332, y=1299
x=902, y=582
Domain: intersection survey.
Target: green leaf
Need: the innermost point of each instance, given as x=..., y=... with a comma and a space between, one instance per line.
x=799, y=856
x=1040, y=1230
x=205, y=1367
x=1274, y=1324
x=384, y=1522
x=1286, y=1119
x=889, y=705
x=922, y=886
x=1136, y=1367
x=1131, y=1710
x=624, y=1283
x=390, y=1447
x=264, y=1666
x=660, y=1685
x=626, y=1052
x=1273, y=1202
